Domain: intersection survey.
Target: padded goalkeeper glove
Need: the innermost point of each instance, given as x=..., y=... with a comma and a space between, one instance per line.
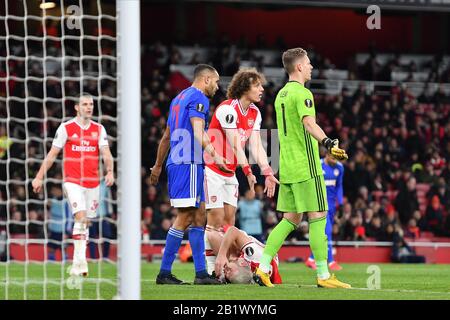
x=333, y=149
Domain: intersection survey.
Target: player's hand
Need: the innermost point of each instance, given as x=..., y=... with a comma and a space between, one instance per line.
x=37, y=185
x=221, y=262
x=109, y=179
x=222, y=163
x=156, y=172
x=333, y=149
x=251, y=183
x=270, y=185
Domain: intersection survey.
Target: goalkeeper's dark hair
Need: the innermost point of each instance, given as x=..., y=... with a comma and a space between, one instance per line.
x=202, y=67
x=290, y=57
x=242, y=81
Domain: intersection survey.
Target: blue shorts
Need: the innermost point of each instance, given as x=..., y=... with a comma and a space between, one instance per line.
x=185, y=183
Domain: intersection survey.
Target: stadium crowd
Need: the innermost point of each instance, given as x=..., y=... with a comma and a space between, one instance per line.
x=395, y=142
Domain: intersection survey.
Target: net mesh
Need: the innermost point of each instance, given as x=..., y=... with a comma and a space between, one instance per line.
x=48, y=57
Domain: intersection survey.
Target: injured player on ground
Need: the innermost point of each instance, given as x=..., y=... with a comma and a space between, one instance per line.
x=233, y=255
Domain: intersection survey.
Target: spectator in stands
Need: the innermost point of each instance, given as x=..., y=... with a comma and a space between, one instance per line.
x=147, y=224
x=368, y=216
x=412, y=230
x=160, y=231
x=434, y=216
x=354, y=230
x=250, y=214
x=374, y=229
x=441, y=191
x=270, y=221
x=406, y=201
x=402, y=252
x=16, y=225
x=35, y=225
x=420, y=220
x=301, y=233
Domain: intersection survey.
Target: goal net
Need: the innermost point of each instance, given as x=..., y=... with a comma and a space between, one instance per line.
x=51, y=51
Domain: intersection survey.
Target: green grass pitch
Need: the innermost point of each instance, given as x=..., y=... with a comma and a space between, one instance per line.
x=398, y=282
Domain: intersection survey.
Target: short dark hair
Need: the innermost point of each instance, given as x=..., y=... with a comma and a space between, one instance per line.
x=290, y=57
x=242, y=81
x=83, y=95
x=202, y=67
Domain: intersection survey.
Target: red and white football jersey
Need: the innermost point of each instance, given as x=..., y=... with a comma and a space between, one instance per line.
x=230, y=115
x=81, y=151
x=252, y=252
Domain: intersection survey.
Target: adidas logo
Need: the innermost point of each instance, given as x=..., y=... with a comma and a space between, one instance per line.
x=75, y=136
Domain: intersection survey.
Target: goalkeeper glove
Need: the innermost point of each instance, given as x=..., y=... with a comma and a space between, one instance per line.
x=333, y=149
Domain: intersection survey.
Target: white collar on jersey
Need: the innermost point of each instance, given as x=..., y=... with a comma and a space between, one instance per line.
x=80, y=125
x=242, y=109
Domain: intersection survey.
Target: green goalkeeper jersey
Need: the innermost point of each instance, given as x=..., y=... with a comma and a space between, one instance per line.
x=299, y=151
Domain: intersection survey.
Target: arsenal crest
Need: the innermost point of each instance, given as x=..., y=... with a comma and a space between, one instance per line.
x=213, y=198
x=95, y=134
x=251, y=122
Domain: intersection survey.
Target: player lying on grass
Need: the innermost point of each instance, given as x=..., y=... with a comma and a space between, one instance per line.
x=233, y=255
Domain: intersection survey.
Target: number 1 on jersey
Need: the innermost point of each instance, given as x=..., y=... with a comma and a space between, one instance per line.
x=284, y=119
x=176, y=110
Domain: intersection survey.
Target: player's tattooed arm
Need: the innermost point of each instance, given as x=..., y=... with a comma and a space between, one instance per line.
x=234, y=139
x=161, y=155
x=259, y=153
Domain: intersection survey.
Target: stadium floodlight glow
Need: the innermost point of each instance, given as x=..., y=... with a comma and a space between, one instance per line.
x=47, y=5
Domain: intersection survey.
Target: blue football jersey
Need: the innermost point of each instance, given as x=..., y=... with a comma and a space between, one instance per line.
x=333, y=176
x=190, y=102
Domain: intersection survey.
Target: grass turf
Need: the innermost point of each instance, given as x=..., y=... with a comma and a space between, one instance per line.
x=398, y=282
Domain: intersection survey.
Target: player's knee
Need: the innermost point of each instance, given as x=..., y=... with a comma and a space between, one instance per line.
x=199, y=221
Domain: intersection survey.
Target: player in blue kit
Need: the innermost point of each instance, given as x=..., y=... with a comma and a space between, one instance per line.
x=186, y=137
x=333, y=174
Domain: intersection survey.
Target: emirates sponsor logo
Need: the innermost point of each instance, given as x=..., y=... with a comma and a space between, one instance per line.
x=84, y=148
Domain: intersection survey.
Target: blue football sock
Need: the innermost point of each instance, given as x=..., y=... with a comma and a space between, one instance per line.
x=173, y=243
x=329, y=233
x=197, y=241
x=330, y=252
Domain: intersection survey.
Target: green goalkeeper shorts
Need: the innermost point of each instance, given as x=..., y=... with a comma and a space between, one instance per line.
x=305, y=196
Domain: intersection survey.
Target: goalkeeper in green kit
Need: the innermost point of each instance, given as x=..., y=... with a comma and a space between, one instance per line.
x=302, y=186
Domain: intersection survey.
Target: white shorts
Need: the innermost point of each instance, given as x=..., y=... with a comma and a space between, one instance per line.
x=220, y=189
x=82, y=199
